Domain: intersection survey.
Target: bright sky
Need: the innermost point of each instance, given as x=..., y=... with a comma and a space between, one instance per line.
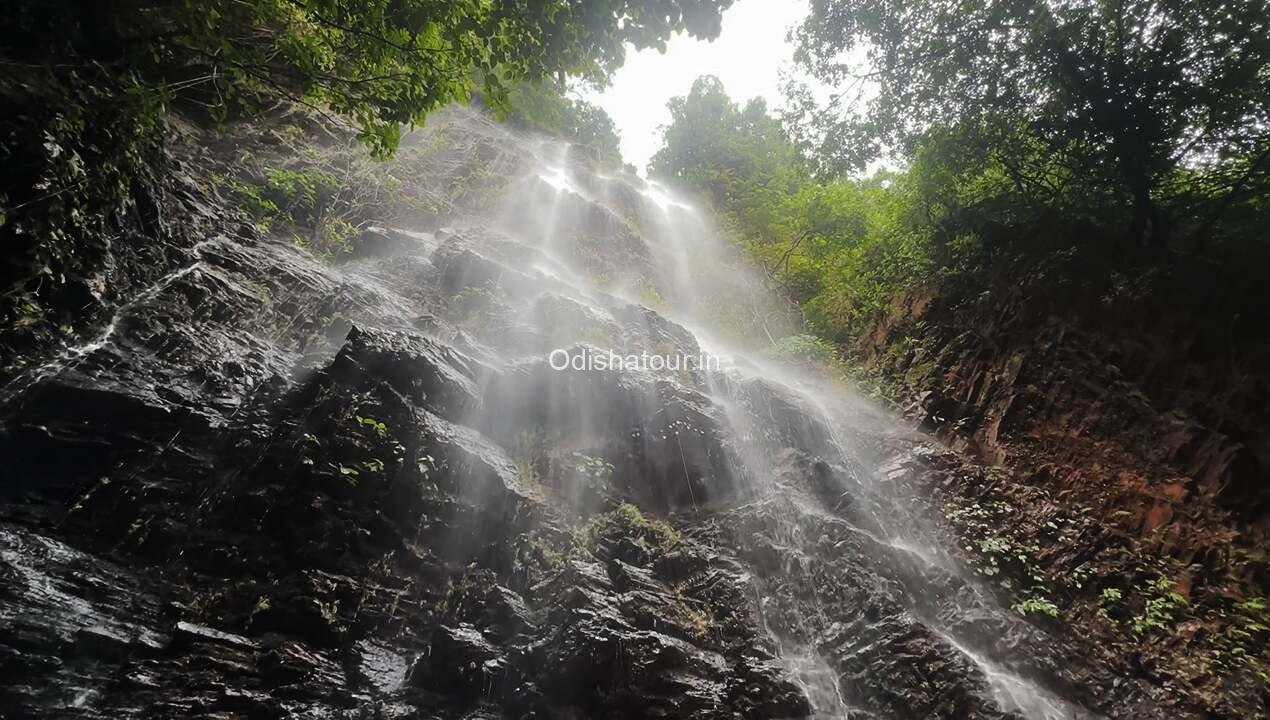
x=747, y=57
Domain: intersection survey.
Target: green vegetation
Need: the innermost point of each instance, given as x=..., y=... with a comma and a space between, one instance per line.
x=379, y=63
x=531, y=456
x=470, y=301
x=986, y=531
x=364, y=454
x=1163, y=603
x=309, y=203
x=697, y=616
x=348, y=474
x=652, y=536
x=1037, y=606
x=804, y=349
x=79, y=158
x=841, y=248
x=543, y=106
x=380, y=428
x=1123, y=142
x=596, y=470
x=1243, y=640
x=87, y=86
x=1141, y=102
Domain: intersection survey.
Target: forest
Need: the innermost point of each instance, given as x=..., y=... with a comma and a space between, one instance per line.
x=959, y=401
x=1131, y=134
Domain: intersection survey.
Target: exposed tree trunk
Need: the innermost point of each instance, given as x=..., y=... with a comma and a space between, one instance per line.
x=1150, y=225
x=1161, y=227
x=1140, y=224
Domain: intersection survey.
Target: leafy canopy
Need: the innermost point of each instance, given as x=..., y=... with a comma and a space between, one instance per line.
x=1121, y=92
x=543, y=106
x=382, y=63
x=741, y=155
x=838, y=247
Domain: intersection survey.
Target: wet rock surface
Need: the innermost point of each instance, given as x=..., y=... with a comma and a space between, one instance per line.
x=1124, y=467
x=277, y=488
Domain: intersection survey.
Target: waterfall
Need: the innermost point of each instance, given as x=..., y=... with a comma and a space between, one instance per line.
x=544, y=435
x=705, y=287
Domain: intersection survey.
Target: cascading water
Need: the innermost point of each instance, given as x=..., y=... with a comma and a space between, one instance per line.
x=698, y=276
x=796, y=541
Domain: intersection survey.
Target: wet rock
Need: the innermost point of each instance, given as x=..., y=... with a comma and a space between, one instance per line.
x=478, y=600
x=463, y=268
x=186, y=633
x=384, y=242
x=759, y=689
x=831, y=485
x=586, y=233
x=460, y=658
x=361, y=465
x=419, y=367
x=679, y=455
x=651, y=332
x=682, y=561
x=879, y=656
x=380, y=667
x=110, y=644
x=783, y=419
x=70, y=621
x=565, y=321
x=630, y=578
x=302, y=616
x=478, y=468
x=668, y=443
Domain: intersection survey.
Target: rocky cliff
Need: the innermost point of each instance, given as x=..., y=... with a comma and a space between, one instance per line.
x=1137, y=404
x=250, y=482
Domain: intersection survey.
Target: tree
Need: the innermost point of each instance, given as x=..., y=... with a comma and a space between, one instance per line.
x=741, y=156
x=1124, y=93
x=382, y=63
x=544, y=106
x=838, y=247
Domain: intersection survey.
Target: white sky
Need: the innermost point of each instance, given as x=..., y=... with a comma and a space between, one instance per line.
x=747, y=57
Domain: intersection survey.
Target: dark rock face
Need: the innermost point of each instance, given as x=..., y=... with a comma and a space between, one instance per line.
x=1126, y=450
x=667, y=442
x=421, y=369
x=322, y=557
x=459, y=659
x=273, y=488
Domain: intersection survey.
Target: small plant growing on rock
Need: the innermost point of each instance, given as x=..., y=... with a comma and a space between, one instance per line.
x=1242, y=641
x=593, y=468
x=994, y=551
x=1037, y=605
x=530, y=456
x=380, y=428
x=1108, y=602
x=346, y=473
x=697, y=615
x=1162, y=605
x=468, y=302
x=654, y=537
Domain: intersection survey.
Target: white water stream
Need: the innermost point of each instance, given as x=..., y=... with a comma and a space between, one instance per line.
x=697, y=281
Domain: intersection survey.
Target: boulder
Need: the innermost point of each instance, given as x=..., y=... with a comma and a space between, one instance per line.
x=460, y=659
